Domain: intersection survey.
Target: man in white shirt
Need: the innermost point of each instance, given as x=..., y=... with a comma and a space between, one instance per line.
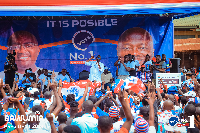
x=107, y=78
x=87, y=123
x=97, y=68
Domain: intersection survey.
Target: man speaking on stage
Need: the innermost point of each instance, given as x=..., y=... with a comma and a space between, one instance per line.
x=97, y=68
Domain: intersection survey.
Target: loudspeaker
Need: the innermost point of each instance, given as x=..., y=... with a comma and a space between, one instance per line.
x=175, y=65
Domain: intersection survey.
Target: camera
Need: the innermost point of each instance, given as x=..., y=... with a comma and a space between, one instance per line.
x=11, y=56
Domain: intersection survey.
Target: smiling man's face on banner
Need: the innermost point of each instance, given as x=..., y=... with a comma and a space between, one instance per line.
x=135, y=41
x=26, y=47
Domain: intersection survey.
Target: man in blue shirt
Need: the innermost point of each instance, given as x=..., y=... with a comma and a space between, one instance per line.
x=168, y=63
x=27, y=79
x=134, y=65
x=158, y=67
x=86, y=123
x=63, y=76
x=147, y=63
x=44, y=76
x=124, y=67
x=97, y=68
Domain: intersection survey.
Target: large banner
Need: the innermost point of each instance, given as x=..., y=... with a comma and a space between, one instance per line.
x=67, y=43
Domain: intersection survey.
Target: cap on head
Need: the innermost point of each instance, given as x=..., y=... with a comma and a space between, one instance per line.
x=141, y=125
x=190, y=93
x=113, y=111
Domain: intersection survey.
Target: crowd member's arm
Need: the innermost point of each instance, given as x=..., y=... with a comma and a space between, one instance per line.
x=197, y=122
x=92, y=57
x=18, y=124
x=98, y=102
x=48, y=84
x=14, y=67
x=60, y=88
x=53, y=105
x=15, y=86
x=180, y=92
x=161, y=70
x=151, y=101
x=56, y=111
x=23, y=81
x=117, y=71
x=85, y=92
x=43, y=82
x=9, y=89
x=170, y=64
x=50, y=119
x=127, y=68
x=126, y=99
x=135, y=101
x=129, y=118
x=25, y=106
x=30, y=79
x=176, y=101
x=158, y=94
x=116, y=63
x=95, y=89
x=139, y=97
x=165, y=88
x=53, y=76
x=1, y=87
x=103, y=83
x=111, y=97
x=21, y=109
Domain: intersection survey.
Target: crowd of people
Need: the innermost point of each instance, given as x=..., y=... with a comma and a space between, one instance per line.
x=35, y=103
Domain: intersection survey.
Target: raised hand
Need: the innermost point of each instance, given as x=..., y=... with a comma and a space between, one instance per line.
x=37, y=80
x=17, y=80
x=108, y=94
x=92, y=57
x=108, y=88
x=53, y=86
x=1, y=84
x=119, y=58
x=13, y=100
x=158, y=89
x=197, y=121
x=152, y=87
x=60, y=83
x=53, y=75
x=152, y=98
x=121, y=96
x=125, y=94
x=43, y=80
x=88, y=84
x=49, y=117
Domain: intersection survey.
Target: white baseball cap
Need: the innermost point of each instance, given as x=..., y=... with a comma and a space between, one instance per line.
x=190, y=93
